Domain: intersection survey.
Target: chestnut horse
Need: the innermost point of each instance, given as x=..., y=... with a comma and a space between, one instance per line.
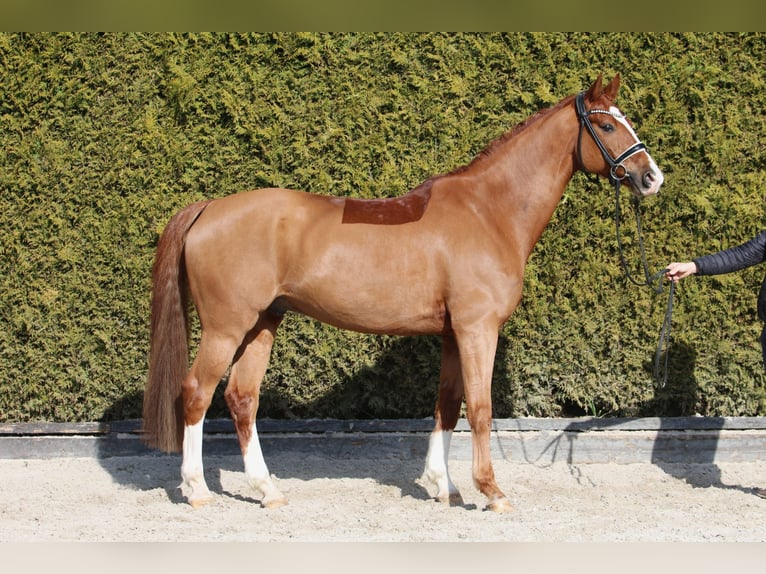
x=447, y=258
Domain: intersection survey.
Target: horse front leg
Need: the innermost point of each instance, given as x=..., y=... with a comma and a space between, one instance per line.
x=242, y=396
x=477, y=348
x=446, y=416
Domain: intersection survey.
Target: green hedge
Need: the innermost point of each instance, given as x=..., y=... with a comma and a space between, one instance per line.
x=104, y=137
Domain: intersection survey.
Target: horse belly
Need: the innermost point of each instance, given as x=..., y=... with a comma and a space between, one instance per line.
x=370, y=296
x=376, y=318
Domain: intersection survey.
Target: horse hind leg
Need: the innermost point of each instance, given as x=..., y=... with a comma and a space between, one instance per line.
x=446, y=416
x=242, y=396
x=209, y=367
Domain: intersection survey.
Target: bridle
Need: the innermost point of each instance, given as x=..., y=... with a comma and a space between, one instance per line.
x=618, y=173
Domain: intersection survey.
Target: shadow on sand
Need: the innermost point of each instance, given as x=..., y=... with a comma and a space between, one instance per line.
x=221, y=450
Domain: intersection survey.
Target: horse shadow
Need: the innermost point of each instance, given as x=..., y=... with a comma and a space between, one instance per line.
x=140, y=468
x=402, y=383
x=672, y=405
x=384, y=387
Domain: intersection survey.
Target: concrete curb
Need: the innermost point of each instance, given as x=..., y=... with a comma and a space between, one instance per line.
x=702, y=440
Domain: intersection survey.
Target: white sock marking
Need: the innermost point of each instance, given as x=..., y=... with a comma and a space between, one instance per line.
x=257, y=472
x=436, y=463
x=192, y=470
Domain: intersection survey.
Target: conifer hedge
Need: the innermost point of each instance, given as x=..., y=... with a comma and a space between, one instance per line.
x=104, y=136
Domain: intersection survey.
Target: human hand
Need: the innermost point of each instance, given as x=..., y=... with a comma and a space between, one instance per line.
x=676, y=271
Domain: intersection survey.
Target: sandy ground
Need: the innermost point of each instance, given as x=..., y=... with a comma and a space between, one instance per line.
x=136, y=499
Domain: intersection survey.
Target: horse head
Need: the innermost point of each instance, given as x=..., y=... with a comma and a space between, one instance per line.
x=611, y=147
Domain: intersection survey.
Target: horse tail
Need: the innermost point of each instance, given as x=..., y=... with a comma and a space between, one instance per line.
x=169, y=330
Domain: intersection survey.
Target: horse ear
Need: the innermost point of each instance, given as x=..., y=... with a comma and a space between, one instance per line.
x=595, y=91
x=611, y=89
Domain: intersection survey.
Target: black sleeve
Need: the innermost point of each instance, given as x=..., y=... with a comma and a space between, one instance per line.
x=748, y=254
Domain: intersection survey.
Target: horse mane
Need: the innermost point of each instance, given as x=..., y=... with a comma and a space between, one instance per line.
x=510, y=134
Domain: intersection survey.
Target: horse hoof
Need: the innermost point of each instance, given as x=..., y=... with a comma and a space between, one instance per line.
x=200, y=501
x=274, y=502
x=500, y=505
x=453, y=499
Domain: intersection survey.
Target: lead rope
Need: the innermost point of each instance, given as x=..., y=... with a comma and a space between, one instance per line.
x=661, y=377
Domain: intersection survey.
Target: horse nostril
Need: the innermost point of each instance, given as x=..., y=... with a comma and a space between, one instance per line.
x=648, y=179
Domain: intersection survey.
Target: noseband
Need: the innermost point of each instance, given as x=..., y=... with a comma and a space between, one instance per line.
x=617, y=171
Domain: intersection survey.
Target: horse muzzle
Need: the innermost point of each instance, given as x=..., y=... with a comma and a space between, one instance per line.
x=646, y=181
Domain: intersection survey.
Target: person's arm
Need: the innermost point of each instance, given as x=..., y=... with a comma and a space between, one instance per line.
x=735, y=258
x=727, y=261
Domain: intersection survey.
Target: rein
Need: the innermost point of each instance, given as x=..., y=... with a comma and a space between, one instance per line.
x=617, y=173
x=660, y=375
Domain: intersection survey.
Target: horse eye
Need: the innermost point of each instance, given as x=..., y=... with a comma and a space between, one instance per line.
x=608, y=128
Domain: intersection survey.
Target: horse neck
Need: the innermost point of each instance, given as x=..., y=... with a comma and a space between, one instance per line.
x=526, y=177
